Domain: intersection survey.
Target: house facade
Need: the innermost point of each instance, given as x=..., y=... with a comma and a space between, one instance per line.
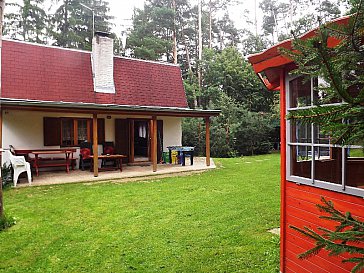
x=311, y=166
x=54, y=97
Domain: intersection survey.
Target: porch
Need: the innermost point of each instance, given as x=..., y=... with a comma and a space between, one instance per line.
x=129, y=173
x=44, y=128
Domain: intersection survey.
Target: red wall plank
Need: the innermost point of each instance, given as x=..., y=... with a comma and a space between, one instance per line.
x=300, y=210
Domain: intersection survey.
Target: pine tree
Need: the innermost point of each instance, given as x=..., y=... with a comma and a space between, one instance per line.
x=343, y=239
x=342, y=69
x=28, y=22
x=73, y=23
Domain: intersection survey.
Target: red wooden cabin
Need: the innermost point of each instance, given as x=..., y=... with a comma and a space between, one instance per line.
x=311, y=166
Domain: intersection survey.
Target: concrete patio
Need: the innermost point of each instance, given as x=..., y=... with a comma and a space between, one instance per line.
x=129, y=173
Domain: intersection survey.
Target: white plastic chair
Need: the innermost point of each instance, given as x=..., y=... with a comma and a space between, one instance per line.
x=19, y=165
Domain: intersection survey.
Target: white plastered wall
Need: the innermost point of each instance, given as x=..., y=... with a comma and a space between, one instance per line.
x=172, y=132
x=24, y=129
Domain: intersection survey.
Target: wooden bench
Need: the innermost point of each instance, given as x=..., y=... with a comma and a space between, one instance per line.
x=52, y=162
x=38, y=161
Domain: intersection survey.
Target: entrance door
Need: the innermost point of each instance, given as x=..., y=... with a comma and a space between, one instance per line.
x=132, y=138
x=141, y=140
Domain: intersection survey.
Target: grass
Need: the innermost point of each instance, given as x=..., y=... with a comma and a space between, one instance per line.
x=211, y=222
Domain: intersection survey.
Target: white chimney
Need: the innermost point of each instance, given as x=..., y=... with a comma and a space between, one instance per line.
x=103, y=63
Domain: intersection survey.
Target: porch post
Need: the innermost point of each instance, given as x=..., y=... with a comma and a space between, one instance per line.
x=207, y=124
x=95, y=147
x=154, y=143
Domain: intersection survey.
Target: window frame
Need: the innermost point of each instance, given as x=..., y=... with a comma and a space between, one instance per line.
x=343, y=188
x=75, y=130
x=53, y=129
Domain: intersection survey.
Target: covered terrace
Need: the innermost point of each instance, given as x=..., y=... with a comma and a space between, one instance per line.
x=94, y=111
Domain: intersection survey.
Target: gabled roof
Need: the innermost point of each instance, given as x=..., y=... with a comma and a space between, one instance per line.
x=271, y=60
x=45, y=73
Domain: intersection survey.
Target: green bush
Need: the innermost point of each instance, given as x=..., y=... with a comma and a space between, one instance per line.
x=253, y=134
x=235, y=132
x=6, y=175
x=193, y=134
x=6, y=222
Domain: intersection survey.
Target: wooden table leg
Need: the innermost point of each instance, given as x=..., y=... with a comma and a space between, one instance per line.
x=91, y=164
x=121, y=164
x=67, y=162
x=183, y=158
x=73, y=163
x=36, y=164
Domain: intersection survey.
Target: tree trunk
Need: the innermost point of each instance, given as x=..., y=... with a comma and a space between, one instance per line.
x=199, y=71
x=66, y=26
x=2, y=6
x=174, y=34
x=188, y=59
x=210, y=25
x=190, y=72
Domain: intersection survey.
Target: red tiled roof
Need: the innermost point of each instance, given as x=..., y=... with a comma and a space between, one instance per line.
x=34, y=72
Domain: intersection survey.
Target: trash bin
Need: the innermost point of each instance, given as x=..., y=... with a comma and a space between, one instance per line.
x=166, y=157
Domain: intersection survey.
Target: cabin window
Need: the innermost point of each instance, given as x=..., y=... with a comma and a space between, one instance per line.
x=75, y=130
x=312, y=158
x=71, y=131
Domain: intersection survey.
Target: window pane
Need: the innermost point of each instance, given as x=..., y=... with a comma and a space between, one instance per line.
x=320, y=94
x=82, y=130
x=300, y=92
x=301, y=133
x=301, y=161
x=328, y=164
x=67, y=132
x=355, y=167
x=320, y=137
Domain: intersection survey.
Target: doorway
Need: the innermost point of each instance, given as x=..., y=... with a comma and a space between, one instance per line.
x=132, y=138
x=141, y=140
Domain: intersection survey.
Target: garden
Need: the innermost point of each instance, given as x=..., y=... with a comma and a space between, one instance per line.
x=215, y=221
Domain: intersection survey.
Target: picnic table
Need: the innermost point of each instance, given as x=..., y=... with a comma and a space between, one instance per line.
x=57, y=161
x=118, y=159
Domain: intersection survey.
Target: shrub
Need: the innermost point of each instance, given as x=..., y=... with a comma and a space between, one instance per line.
x=6, y=222
x=6, y=175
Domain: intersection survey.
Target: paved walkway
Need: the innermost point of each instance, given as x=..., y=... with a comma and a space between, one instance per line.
x=129, y=173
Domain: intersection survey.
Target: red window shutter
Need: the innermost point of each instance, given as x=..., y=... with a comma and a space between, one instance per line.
x=52, y=131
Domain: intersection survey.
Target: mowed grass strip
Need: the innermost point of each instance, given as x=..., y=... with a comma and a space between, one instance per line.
x=216, y=221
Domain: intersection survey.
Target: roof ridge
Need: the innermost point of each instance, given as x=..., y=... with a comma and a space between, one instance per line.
x=87, y=51
x=147, y=61
x=43, y=45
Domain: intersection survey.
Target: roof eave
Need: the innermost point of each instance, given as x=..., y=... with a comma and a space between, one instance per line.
x=108, y=108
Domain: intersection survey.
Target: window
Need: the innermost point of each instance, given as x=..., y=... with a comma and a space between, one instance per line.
x=311, y=157
x=75, y=131
x=67, y=132
x=71, y=131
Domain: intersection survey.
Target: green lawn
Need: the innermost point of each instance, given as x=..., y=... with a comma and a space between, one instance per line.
x=211, y=222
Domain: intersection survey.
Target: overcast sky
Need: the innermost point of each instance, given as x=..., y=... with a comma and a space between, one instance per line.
x=122, y=10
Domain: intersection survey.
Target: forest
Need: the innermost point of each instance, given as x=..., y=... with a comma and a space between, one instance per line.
x=203, y=40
